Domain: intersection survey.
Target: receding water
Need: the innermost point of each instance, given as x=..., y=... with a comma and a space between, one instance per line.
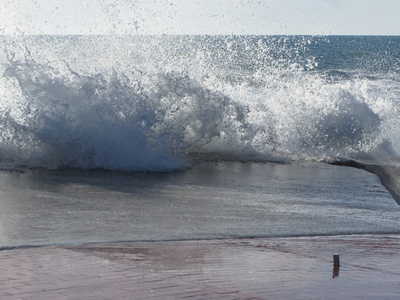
x=210, y=200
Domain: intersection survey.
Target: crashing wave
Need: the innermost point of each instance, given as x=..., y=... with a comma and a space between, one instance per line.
x=74, y=102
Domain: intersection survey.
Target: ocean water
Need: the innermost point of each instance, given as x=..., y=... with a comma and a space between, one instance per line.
x=135, y=106
x=209, y=200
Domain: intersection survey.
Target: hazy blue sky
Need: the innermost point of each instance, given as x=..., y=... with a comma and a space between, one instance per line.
x=367, y=17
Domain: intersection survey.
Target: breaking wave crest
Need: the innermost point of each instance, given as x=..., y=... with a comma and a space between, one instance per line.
x=154, y=104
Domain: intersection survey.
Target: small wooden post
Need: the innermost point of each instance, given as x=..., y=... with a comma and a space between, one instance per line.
x=336, y=261
x=336, y=266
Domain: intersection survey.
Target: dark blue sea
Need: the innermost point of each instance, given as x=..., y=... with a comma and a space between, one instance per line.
x=110, y=138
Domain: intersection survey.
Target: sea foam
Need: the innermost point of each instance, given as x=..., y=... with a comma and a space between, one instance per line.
x=154, y=103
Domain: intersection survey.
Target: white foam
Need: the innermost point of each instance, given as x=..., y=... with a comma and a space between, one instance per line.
x=143, y=103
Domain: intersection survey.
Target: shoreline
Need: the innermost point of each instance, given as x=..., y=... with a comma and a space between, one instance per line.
x=206, y=239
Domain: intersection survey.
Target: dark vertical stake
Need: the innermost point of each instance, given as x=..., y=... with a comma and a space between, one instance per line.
x=335, y=272
x=336, y=261
x=336, y=266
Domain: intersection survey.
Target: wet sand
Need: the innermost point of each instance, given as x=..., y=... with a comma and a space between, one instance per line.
x=275, y=268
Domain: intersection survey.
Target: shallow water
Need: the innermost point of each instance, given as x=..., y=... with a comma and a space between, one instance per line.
x=210, y=200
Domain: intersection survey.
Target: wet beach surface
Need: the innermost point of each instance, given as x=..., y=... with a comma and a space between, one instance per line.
x=209, y=232
x=275, y=268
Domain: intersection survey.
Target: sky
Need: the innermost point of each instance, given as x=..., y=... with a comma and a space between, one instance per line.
x=269, y=17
